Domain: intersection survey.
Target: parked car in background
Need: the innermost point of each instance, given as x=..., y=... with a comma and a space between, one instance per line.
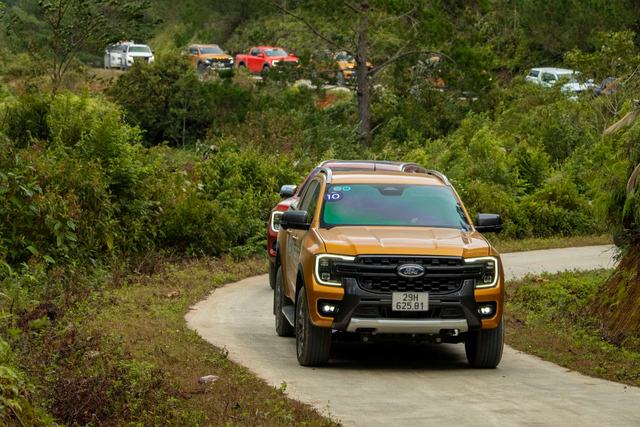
x=550, y=76
x=113, y=57
x=136, y=53
x=205, y=56
x=264, y=58
x=340, y=62
x=292, y=194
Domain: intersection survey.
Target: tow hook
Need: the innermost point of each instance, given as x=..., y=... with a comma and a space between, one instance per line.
x=450, y=332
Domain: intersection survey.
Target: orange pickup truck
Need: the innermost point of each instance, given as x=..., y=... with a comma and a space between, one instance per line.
x=264, y=58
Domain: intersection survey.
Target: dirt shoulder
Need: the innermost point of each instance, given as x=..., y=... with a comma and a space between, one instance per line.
x=125, y=356
x=551, y=316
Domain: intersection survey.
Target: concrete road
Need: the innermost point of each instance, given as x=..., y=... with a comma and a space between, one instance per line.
x=376, y=385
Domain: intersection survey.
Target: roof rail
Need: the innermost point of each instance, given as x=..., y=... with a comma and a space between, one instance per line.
x=328, y=172
x=440, y=176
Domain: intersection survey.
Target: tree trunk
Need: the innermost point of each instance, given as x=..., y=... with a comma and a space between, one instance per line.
x=362, y=73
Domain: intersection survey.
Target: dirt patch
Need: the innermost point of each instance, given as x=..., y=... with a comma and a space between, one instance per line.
x=331, y=98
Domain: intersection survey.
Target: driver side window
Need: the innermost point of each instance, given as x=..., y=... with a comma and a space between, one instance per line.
x=309, y=201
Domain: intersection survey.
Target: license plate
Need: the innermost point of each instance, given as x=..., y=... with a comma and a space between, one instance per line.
x=410, y=301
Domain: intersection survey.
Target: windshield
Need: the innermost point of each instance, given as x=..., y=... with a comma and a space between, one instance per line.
x=344, y=56
x=275, y=52
x=392, y=205
x=139, y=49
x=210, y=50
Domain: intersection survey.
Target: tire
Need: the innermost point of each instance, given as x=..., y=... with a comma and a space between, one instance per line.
x=242, y=65
x=283, y=327
x=313, y=344
x=484, y=348
x=342, y=81
x=266, y=69
x=272, y=274
x=200, y=68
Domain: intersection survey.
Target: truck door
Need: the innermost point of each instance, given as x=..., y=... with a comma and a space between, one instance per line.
x=193, y=54
x=295, y=239
x=255, y=62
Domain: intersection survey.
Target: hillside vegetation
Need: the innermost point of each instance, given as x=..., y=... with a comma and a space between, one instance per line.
x=105, y=181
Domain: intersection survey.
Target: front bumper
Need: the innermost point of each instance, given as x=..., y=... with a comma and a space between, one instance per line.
x=364, y=311
x=219, y=65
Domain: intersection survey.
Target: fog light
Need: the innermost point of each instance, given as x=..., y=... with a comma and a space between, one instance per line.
x=487, y=279
x=486, y=311
x=328, y=308
x=326, y=276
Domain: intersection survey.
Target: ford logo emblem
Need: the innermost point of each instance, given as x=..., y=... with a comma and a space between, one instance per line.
x=410, y=270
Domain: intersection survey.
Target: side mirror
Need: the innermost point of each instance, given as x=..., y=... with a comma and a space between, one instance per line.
x=291, y=54
x=489, y=223
x=296, y=220
x=261, y=55
x=153, y=52
x=590, y=81
x=288, y=191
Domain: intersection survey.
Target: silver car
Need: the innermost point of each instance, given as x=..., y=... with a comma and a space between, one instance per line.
x=135, y=53
x=113, y=57
x=549, y=76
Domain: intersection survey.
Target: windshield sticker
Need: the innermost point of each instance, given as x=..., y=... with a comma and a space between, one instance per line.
x=346, y=188
x=333, y=196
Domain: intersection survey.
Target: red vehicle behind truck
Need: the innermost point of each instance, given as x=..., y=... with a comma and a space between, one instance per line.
x=292, y=194
x=264, y=58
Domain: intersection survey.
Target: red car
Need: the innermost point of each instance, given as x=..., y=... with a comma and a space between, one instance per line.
x=264, y=58
x=293, y=193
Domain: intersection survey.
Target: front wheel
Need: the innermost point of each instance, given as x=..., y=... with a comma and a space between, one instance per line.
x=201, y=68
x=312, y=343
x=266, y=69
x=484, y=348
x=342, y=81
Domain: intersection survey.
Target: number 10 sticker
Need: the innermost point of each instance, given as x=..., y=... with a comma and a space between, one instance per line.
x=333, y=196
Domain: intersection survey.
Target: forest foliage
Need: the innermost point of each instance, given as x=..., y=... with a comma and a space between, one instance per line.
x=166, y=161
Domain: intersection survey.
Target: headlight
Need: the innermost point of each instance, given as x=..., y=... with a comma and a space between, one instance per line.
x=275, y=62
x=275, y=220
x=490, y=271
x=325, y=271
x=207, y=61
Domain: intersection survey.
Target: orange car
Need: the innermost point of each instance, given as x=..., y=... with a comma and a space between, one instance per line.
x=204, y=56
x=378, y=254
x=341, y=63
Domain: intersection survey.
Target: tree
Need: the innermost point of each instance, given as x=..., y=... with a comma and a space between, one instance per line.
x=67, y=27
x=392, y=29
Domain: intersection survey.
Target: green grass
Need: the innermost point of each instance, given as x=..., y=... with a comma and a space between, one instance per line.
x=552, y=317
x=124, y=356
x=535, y=244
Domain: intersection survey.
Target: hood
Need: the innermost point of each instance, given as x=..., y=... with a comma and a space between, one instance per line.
x=283, y=58
x=284, y=205
x=403, y=241
x=140, y=54
x=575, y=87
x=344, y=65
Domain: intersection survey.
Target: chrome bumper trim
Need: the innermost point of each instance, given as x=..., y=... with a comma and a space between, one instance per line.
x=407, y=326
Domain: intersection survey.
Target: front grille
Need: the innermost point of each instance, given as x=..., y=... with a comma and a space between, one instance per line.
x=392, y=284
x=378, y=274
